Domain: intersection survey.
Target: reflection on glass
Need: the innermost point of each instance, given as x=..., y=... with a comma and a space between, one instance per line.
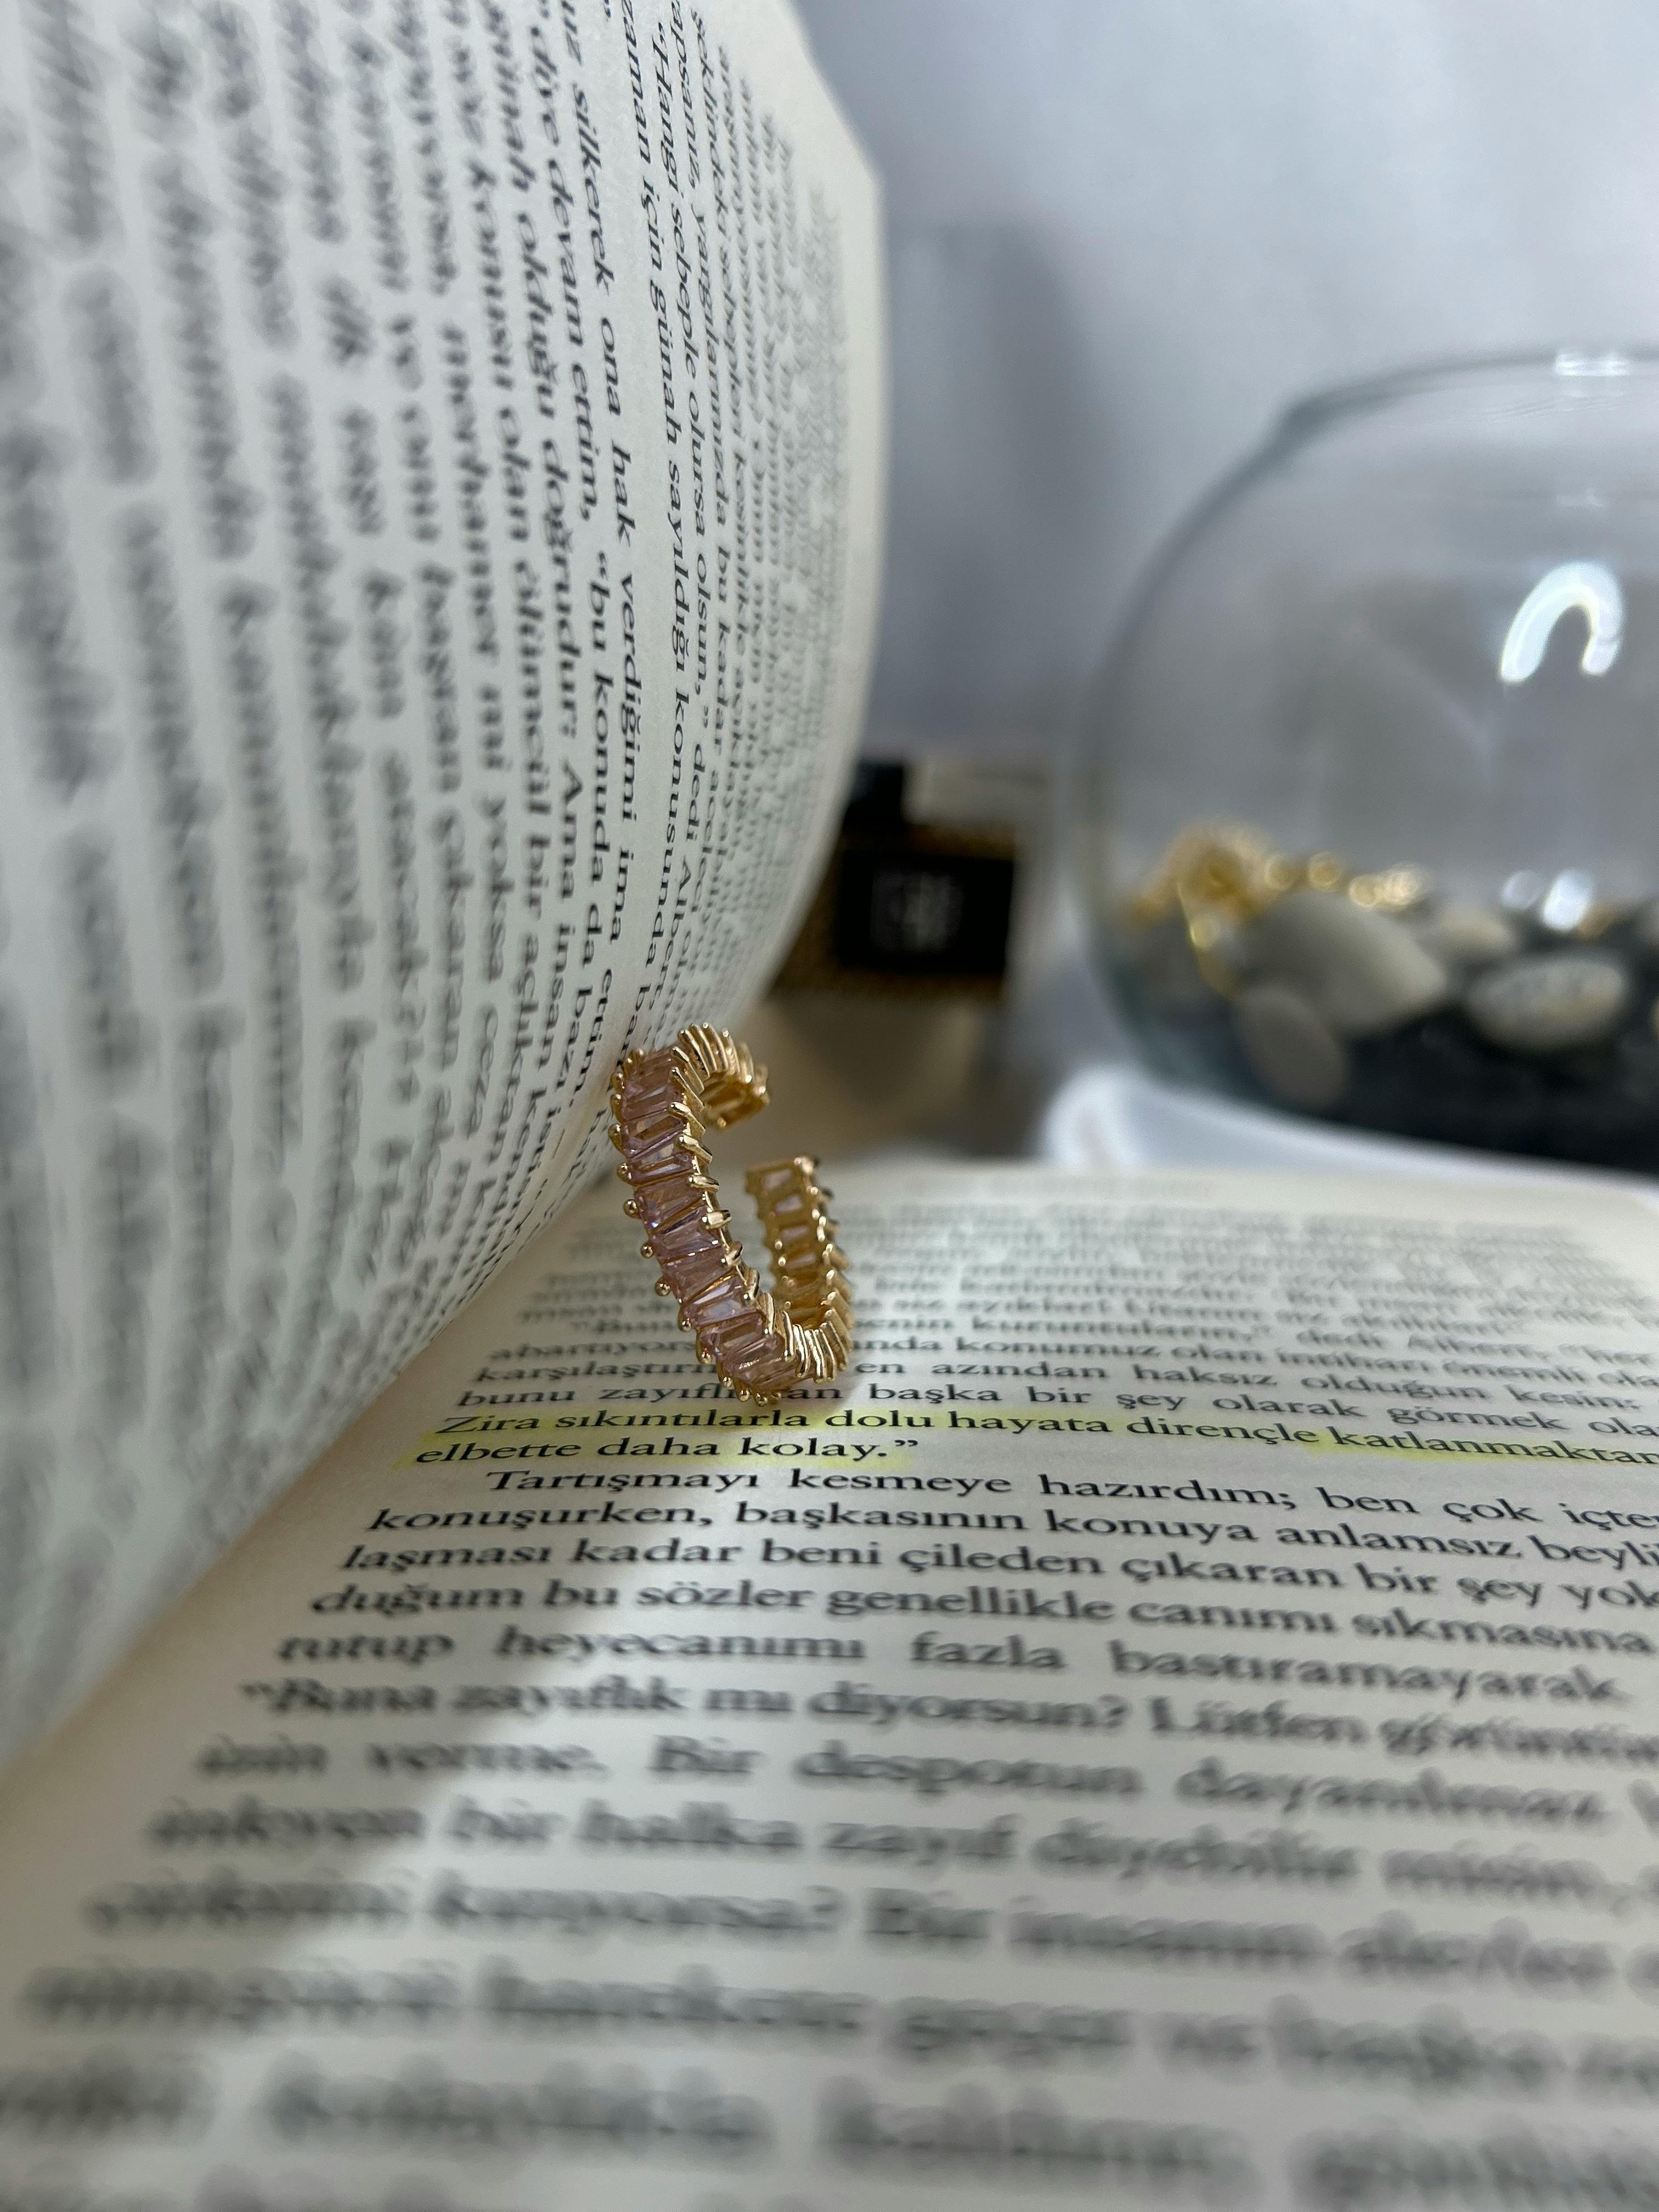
x=1357, y=834
x=1585, y=585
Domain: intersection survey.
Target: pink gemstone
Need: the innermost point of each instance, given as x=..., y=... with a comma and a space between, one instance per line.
x=694, y=1272
x=665, y=1203
x=655, y=1067
x=734, y=1341
x=726, y=1340
x=656, y=1119
x=639, y=1115
x=770, y=1371
x=721, y=1306
x=658, y=1156
x=686, y=1239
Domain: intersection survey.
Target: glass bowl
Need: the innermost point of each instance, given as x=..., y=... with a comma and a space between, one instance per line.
x=1365, y=806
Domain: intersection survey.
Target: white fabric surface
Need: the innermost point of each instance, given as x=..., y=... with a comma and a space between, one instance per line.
x=1112, y=1117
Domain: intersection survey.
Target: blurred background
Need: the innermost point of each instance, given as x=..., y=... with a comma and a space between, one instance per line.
x=1123, y=236
x=1124, y=233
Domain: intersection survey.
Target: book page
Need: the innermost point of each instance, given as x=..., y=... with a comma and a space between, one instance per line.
x=1174, y=1726
x=439, y=457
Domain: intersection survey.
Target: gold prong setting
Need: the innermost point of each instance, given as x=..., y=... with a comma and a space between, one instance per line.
x=760, y=1343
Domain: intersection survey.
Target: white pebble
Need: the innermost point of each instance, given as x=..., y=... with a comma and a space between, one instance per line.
x=1292, y=1052
x=1361, y=972
x=1551, y=1002
x=1466, y=937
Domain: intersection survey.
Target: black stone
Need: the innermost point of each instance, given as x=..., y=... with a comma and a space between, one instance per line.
x=1439, y=1081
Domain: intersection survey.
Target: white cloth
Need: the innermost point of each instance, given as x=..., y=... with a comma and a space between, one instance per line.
x=1117, y=1117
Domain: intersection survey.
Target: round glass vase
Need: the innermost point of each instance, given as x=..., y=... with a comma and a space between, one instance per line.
x=1365, y=806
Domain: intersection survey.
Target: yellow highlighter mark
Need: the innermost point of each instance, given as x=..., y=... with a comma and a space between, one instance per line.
x=855, y=1434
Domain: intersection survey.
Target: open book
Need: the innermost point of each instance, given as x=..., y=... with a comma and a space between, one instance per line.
x=1174, y=1725
x=439, y=476
x=1168, y=1726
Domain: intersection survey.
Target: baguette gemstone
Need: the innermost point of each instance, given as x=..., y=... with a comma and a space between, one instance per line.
x=760, y=1343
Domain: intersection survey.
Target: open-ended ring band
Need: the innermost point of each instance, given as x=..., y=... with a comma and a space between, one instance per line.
x=762, y=1343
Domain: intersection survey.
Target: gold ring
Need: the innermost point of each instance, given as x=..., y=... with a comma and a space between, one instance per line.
x=760, y=1343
